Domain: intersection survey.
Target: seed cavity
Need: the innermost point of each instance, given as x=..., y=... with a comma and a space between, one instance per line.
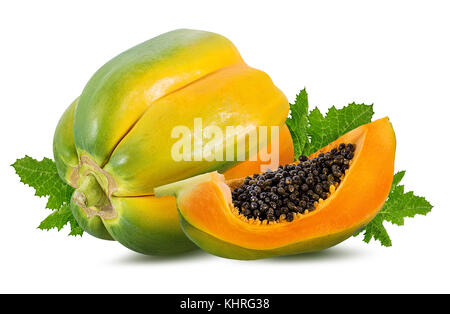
x=292, y=190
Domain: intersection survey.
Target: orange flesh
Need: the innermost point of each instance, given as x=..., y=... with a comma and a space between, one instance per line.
x=356, y=201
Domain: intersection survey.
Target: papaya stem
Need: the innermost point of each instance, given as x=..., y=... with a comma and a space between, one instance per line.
x=90, y=194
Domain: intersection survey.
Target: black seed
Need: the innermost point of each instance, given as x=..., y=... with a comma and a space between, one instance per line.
x=289, y=217
x=339, y=160
x=303, y=158
x=264, y=208
x=291, y=188
x=318, y=189
x=337, y=173
x=278, y=176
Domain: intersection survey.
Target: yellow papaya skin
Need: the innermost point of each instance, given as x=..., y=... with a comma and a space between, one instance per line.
x=112, y=143
x=237, y=95
x=124, y=88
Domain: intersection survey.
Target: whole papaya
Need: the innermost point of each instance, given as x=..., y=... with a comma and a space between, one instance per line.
x=114, y=143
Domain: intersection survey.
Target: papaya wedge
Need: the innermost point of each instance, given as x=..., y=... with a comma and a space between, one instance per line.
x=210, y=220
x=114, y=143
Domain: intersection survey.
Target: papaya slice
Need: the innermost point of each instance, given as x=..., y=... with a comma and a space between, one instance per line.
x=210, y=220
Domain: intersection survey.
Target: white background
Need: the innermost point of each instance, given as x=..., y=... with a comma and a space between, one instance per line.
x=394, y=54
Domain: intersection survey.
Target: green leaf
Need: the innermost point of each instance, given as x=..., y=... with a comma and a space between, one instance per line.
x=323, y=130
x=43, y=177
x=298, y=122
x=311, y=131
x=397, y=178
x=397, y=207
x=58, y=219
x=377, y=231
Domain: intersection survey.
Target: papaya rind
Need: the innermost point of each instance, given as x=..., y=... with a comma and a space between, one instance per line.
x=64, y=151
x=234, y=96
x=121, y=91
x=228, y=250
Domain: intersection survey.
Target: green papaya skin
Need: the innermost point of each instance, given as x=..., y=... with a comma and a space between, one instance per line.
x=145, y=225
x=64, y=149
x=92, y=225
